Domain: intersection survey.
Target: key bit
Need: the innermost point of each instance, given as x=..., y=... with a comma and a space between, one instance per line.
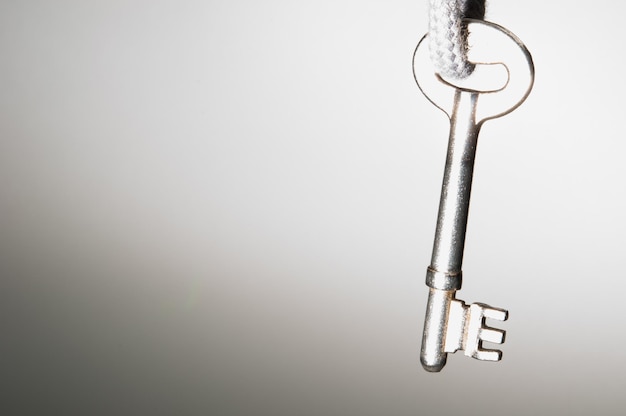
x=466, y=330
x=450, y=325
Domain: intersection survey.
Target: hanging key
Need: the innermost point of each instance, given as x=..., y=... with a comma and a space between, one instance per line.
x=501, y=81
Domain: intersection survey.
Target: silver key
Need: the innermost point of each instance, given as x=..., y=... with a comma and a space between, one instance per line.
x=503, y=60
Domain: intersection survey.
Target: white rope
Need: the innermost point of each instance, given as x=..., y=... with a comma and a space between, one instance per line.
x=448, y=35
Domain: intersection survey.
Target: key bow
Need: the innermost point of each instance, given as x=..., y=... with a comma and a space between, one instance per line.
x=492, y=47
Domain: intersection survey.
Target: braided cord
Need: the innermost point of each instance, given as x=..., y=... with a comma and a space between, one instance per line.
x=448, y=35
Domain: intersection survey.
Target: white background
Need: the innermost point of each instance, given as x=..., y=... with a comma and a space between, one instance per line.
x=228, y=208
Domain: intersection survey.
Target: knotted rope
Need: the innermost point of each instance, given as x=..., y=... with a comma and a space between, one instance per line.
x=448, y=35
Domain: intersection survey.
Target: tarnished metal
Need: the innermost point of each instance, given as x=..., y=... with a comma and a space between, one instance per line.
x=450, y=324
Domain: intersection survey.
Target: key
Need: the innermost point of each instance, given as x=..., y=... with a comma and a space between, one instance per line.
x=502, y=80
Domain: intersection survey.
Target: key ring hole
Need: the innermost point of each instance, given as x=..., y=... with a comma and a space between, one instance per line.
x=486, y=78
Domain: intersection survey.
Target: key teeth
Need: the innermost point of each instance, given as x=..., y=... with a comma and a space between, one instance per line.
x=478, y=331
x=493, y=313
x=488, y=355
x=493, y=335
x=466, y=330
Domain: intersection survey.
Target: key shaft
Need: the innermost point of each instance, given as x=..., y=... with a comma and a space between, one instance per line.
x=444, y=273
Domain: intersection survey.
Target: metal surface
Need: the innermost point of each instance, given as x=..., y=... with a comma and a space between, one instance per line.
x=501, y=82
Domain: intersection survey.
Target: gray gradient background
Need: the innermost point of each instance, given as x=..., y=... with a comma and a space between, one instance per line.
x=227, y=208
